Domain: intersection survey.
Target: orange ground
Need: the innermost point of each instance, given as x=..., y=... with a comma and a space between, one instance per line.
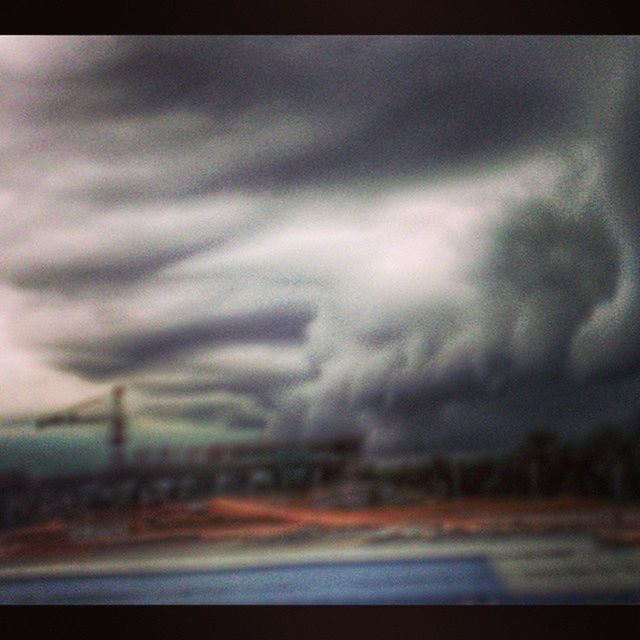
x=224, y=519
x=464, y=514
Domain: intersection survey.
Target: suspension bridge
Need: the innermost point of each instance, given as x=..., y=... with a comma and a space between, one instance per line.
x=162, y=475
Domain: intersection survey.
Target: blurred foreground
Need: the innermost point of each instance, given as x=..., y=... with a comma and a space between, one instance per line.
x=289, y=522
x=268, y=550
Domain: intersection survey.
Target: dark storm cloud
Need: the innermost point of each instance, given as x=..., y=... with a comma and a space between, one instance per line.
x=366, y=108
x=554, y=404
x=88, y=272
x=623, y=138
x=132, y=353
x=553, y=263
x=433, y=309
x=543, y=259
x=265, y=387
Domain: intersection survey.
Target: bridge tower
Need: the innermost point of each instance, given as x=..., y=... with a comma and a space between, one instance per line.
x=116, y=418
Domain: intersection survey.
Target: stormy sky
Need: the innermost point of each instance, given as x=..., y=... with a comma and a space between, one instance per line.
x=432, y=242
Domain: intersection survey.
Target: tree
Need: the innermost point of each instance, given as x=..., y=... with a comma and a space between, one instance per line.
x=609, y=452
x=536, y=453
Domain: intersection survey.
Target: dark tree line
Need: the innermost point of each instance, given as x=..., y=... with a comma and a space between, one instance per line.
x=604, y=463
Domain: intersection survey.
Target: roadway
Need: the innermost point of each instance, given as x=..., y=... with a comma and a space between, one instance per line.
x=513, y=569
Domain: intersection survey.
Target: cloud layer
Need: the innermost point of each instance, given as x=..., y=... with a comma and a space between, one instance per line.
x=432, y=242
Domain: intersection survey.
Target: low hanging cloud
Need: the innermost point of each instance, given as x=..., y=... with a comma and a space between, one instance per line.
x=405, y=363
x=430, y=242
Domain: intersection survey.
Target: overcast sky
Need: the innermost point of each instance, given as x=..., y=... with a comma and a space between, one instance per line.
x=433, y=242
